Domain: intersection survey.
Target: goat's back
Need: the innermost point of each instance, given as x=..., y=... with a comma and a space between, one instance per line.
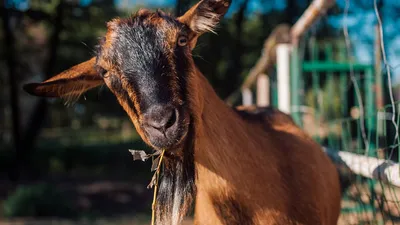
x=306, y=189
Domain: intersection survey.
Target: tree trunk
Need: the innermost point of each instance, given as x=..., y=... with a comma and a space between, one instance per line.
x=40, y=111
x=24, y=141
x=232, y=76
x=9, y=42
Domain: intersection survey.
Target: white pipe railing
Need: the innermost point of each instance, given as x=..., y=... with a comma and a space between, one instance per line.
x=370, y=167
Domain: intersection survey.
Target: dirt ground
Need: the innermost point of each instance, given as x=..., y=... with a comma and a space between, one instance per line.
x=121, y=221
x=357, y=206
x=122, y=202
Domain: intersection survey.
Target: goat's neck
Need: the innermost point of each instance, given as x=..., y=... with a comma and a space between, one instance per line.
x=224, y=141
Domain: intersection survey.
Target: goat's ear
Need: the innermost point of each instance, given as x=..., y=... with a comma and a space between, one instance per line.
x=204, y=16
x=68, y=84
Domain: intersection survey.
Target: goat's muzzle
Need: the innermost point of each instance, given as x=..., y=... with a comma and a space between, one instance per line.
x=161, y=124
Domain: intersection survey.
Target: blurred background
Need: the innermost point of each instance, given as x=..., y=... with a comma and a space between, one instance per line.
x=68, y=163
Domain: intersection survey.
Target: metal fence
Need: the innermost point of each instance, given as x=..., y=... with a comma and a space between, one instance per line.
x=337, y=103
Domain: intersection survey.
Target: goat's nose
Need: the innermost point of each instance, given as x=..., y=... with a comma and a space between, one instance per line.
x=160, y=117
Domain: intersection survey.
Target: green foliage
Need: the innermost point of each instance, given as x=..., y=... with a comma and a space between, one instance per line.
x=38, y=200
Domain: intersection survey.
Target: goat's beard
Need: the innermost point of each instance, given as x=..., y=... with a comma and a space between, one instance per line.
x=177, y=185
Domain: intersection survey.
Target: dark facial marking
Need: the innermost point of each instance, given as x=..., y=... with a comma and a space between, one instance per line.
x=145, y=66
x=145, y=52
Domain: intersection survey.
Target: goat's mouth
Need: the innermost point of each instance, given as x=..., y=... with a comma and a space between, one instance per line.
x=166, y=127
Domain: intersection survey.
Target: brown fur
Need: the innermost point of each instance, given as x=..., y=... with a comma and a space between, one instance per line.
x=263, y=162
x=75, y=81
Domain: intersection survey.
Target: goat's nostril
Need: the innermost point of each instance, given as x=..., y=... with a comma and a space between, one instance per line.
x=171, y=120
x=161, y=118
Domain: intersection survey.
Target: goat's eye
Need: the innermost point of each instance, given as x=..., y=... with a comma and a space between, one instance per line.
x=101, y=71
x=182, y=41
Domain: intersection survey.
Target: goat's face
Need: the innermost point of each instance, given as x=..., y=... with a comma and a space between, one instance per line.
x=145, y=60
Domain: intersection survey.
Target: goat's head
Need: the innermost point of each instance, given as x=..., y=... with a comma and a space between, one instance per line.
x=145, y=60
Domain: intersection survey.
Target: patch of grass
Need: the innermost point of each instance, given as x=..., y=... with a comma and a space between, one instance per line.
x=38, y=200
x=52, y=158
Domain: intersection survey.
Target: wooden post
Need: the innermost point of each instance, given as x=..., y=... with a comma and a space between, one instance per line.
x=247, y=98
x=263, y=90
x=378, y=69
x=283, y=75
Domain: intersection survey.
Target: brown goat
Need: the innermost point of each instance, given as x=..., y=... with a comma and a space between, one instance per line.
x=242, y=166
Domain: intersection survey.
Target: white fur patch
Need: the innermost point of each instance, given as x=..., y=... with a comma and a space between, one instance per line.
x=205, y=22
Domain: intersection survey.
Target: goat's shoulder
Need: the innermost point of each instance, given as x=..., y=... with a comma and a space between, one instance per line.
x=271, y=119
x=267, y=115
